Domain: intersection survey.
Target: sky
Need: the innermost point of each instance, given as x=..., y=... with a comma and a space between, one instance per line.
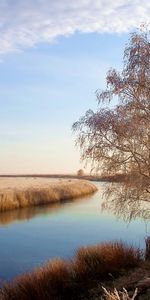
x=54, y=55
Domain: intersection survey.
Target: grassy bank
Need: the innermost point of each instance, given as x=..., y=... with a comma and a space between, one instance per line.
x=61, y=280
x=25, y=192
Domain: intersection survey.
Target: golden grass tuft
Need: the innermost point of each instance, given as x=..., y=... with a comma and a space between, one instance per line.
x=25, y=192
x=62, y=280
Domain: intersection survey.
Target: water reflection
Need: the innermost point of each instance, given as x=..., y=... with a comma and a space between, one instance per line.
x=45, y=232
x=129, y=200
x=28, y=213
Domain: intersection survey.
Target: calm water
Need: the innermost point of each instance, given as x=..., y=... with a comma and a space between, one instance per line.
x=29, y=237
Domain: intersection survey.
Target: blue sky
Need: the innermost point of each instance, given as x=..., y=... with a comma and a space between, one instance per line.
x=53, y=56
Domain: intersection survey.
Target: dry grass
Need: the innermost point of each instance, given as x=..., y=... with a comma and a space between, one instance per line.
x=49, y=282
x=24, y=192
x=115, y=295
x=104, y=259
x=59, y=280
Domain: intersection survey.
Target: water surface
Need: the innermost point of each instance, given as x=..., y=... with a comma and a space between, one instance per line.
x=29, y=237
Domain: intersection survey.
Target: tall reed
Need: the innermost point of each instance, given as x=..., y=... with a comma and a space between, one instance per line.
x=32, y=194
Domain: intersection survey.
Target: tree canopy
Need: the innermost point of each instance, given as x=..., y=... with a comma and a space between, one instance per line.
x=117, y=138
x=80, y=172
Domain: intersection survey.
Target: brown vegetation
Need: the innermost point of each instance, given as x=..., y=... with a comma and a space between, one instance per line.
x=70, y=280
x=32, y=192
x=106, y=257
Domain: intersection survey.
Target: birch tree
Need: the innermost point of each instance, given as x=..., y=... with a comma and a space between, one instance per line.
x=117, y=138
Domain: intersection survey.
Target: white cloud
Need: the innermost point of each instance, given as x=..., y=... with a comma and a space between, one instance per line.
x=25, y=23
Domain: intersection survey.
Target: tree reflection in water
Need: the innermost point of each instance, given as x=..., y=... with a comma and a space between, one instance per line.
x=128, y=200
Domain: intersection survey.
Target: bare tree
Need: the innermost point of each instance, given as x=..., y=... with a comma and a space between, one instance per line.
x=117, y=139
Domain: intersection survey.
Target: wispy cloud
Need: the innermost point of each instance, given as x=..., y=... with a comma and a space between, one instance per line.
x=25, y=23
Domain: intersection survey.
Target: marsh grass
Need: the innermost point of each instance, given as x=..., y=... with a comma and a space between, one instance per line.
x=60, y=280
x=105, y=260
x=48, y=282
x=31, y=192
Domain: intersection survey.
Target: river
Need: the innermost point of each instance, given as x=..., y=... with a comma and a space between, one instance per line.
x=30, y=237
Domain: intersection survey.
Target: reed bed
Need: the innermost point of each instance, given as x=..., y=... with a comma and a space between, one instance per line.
x=24, y=192
x=61, y=280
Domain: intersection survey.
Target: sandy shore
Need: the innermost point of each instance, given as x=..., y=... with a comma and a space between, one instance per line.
x=24, y=192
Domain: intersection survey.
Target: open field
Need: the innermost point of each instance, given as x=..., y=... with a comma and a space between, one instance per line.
x=23, y=192
x=62, y=280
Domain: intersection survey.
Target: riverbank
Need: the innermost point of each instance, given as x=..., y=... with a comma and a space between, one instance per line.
x=106, y=265
x=101, y=178
x=32, y=191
